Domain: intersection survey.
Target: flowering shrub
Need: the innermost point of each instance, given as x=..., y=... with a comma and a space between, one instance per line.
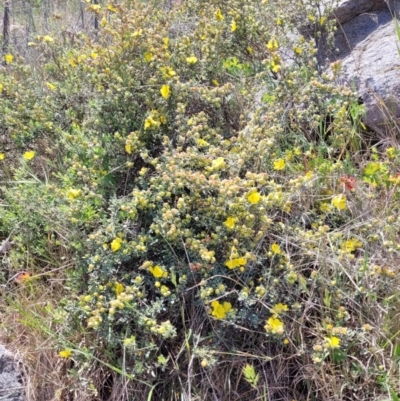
x=208, y=230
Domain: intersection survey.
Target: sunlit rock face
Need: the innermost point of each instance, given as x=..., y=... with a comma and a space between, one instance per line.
x=367, y=46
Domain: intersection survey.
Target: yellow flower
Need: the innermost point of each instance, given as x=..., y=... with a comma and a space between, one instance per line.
x=217, y=163
x=215, y=82
x=9, y=58
x=148, y=56
x=150, y=122
x=129, y=341
x=272, y=45
x=298, y=50
x=2, y=156
x=391, y=152
x=275, y=325
x=168, y=72
x=233, y=263
x=279, y=164
x=128, y=148
x=279, y=308
x=254, y=198
x=201, y=142
x=332, y=342
x=340, y=202
x=165, y=91
x=191, y=60
x=218, y=15
x=48, y=39
x=230, y=222
x=157, y=271
x=111, y=8
x=309, y=175
x=95, y=7
x=276, y=249
x=74, y=193
x=137, y=33
x=372, y=167
x=118, y=288
x=29, y=155
x=65, y=353
x=351, y=245
x=233, y=26
x=220, y=310
x=116, y=244
x=276, y=67
x=50, y=86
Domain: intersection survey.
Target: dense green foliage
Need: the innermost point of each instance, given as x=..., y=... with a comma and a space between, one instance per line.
x=222, y=228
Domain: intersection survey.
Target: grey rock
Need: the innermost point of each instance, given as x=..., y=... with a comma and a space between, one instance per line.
x=367, y=47
x=348, y=9
x=11, y=385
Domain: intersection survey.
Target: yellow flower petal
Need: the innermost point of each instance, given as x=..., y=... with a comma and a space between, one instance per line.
x=74, y=193
x=218, y=15
x=279, y=164
x=340, y=202
x=191, y=60
x=275, y=326
x=165, y=91
x=157, y=271
x=230, y=222
x=233, y=263
x=276, y=249
x=29, y=155
x=220, y=310
x=116, y=244
x=272, y=45
x=65, y=353
x=279, y=308
x=218, y=163
x=9, y=58
x=118, y=288
x=332, y=342
x=254, y=198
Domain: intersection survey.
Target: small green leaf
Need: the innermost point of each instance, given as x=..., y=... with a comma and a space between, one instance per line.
x=250, y=375
x=394, y=396
x=162, y=360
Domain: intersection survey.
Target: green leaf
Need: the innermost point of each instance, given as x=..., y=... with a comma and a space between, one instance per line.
x=327, y=298
x=394, y=396
x=250, y=375
x=338, y=356
x=162, y=360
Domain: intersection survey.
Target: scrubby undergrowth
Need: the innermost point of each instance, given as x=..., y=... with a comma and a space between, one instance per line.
x=197, y=211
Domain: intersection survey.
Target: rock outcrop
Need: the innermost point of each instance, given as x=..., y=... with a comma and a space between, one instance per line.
x=11, y=385
x=367, y=46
